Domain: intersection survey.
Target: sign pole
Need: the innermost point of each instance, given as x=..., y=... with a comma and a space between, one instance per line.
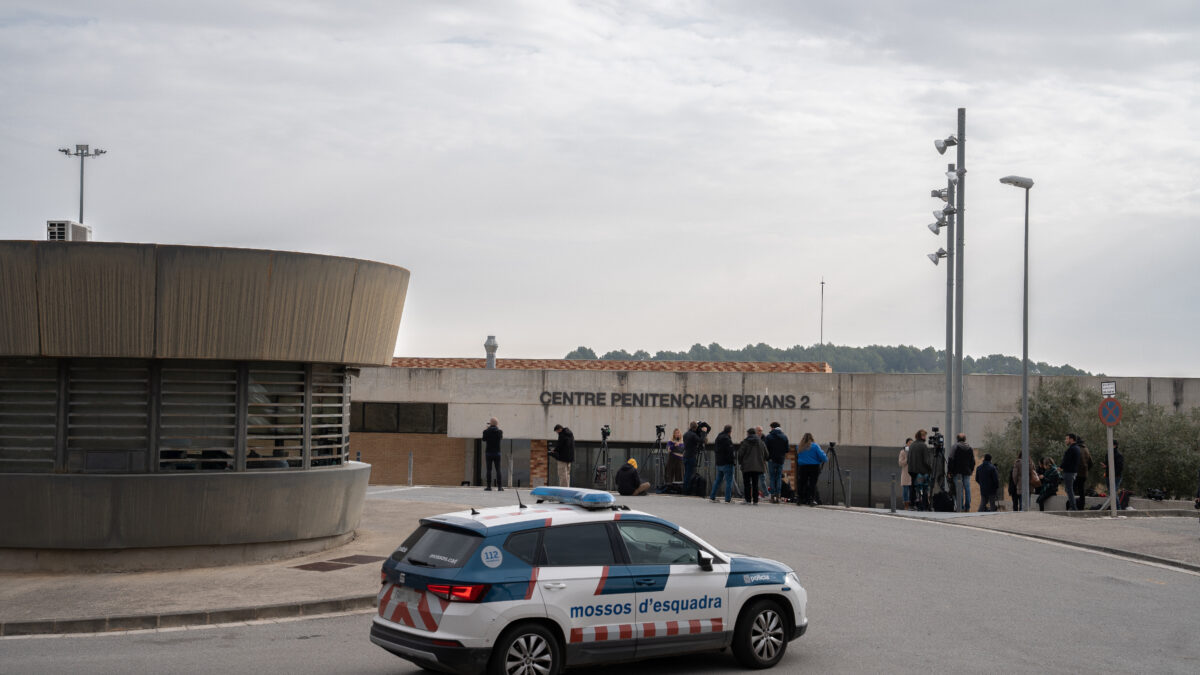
x=1110, y=415
x=1113, y=497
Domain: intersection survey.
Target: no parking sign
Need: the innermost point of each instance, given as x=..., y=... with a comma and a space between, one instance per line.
x=1110, y=412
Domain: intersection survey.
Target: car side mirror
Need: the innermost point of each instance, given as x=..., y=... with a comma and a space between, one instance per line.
x=705, y=561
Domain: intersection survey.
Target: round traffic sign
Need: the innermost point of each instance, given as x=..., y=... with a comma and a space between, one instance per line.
x=1110, y=412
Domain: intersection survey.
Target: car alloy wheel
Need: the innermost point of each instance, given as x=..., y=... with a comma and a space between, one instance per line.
x=766, y=634
x=760, y=638
x=530, y=650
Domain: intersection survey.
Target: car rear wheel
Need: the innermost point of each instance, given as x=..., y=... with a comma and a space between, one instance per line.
x=760, y=638
x=526, y=649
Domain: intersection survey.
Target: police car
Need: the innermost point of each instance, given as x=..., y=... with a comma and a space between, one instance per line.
x=572, y=580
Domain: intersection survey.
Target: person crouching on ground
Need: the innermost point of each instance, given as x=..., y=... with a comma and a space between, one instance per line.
x=628, y=480
x=752, y=455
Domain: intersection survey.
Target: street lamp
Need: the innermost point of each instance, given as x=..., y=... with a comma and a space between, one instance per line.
x=937, y=255
x=82, y=152
x=1025, y=184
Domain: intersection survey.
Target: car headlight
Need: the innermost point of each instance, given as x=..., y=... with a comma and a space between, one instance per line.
x=792, y=578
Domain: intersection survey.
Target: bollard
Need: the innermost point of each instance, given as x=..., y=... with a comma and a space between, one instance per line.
x=849, y=488
x=410, y=467
x=893, y=493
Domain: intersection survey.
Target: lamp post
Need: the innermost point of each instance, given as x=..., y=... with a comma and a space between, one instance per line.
x=82, y=152
x=1025, y=184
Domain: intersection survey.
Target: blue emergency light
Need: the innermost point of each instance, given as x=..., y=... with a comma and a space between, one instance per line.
x=588, y=499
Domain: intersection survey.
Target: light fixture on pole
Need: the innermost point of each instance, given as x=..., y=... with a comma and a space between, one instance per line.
x=82, y=152
x=945, y=218
x=937, y=255
x=1025, y=184
x=941, y=145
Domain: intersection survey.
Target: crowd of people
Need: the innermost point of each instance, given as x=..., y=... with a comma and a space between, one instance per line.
x=760, y=457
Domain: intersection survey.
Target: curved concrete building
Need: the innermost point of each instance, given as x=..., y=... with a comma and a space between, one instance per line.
x=165, y=396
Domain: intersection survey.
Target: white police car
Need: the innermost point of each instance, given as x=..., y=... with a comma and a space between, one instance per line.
x=574, y=580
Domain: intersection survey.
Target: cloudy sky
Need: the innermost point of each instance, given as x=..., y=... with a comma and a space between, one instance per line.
x=645, y=175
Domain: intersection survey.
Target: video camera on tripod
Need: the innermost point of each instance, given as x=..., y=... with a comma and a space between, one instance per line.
x=600, y=477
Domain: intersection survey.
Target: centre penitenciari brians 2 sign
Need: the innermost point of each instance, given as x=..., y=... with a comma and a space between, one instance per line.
x=620, y=399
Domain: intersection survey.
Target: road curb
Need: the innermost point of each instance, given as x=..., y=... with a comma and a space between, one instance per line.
x=117, y=623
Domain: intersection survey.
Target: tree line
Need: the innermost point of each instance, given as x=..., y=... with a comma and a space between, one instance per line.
x=843, y=359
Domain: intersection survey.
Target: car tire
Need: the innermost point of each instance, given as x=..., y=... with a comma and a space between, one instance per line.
x=760, y=637
x=526, y=649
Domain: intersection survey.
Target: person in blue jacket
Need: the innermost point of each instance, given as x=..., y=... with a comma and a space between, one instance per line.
x=809, y=458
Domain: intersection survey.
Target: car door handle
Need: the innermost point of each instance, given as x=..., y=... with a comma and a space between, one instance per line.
x=554, y=586
x=644, y=582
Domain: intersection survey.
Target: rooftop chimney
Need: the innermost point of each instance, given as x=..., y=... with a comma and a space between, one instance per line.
x=491, y=347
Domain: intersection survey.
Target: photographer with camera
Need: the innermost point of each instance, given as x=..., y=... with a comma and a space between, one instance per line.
x=693, y=443
x=564, y=452
x=809, y=458
x=920, y=467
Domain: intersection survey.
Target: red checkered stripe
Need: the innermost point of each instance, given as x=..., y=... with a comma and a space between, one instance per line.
x=628, y=631
x=407, y=607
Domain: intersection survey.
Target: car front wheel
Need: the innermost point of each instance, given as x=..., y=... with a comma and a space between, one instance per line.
x=760, y=638
x=526, y=649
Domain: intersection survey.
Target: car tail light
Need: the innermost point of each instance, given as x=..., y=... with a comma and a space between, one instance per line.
x=458, y=592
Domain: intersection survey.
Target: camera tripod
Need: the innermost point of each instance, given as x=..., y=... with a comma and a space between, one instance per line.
x=601, y=478
x=658, y=468
x=835, y=469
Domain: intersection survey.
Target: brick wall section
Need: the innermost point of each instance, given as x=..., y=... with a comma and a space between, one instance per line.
x=539, y=461
x=437, y=460
x=588, y=364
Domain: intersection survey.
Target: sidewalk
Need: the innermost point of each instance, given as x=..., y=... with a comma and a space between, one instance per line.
x=341, y=579
x=1169, y=537
x=347, y=578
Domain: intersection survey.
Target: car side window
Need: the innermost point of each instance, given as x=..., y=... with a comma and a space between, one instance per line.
x=524, y=545
x=586, y=544
x=650, y=544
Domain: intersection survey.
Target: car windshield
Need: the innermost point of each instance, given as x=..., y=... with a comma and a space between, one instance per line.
x=437, y=547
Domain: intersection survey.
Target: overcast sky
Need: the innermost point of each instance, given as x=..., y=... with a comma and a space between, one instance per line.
x=645, y=175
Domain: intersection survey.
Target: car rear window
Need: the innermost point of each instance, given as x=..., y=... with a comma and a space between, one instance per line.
x=437, y=547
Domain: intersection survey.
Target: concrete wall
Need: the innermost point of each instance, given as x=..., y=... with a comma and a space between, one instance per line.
x=852, y=409
x=81, y=511
x=92, y=299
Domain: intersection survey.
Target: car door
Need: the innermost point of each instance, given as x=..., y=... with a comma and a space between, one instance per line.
x=587, y=592
x=681, y=606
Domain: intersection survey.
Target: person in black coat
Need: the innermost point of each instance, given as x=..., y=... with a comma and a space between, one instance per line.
x=1069, y=466
x=723, y=458
x=491, y=452
x=777, y=449
x=564, y=452
x=989, y=484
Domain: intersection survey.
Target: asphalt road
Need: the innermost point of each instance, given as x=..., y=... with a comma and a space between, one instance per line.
x=885, y=595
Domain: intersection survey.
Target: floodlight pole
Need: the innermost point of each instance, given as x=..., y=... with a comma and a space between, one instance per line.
x=950, y=257
x=960, y=208
x=82, y=152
